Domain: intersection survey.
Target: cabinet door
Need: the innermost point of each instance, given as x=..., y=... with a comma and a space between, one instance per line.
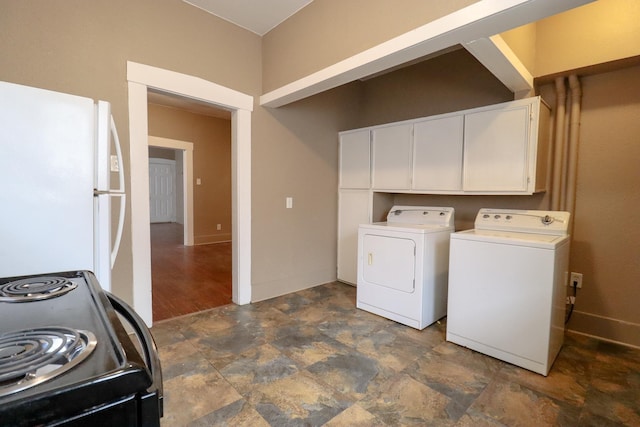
x=391, y=147
x=437, y=154
x=355, y=159
x=496, y=149
x=353, y=210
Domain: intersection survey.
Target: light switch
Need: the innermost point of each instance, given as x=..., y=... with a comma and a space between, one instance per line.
x=289, y=202
x=115, y=165
x=198, y=181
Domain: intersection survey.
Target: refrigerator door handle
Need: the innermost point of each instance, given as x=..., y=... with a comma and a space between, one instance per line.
x=116, y=244
x=116, y=140
x=120, y=192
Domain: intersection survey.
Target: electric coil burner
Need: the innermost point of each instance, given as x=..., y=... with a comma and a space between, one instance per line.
x=66, y=359
x=35, y=289
x=29, y=357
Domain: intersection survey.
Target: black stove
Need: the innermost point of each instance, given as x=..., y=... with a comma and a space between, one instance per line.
x=66, y=359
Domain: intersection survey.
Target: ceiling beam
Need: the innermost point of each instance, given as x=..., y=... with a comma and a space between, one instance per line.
x=497, y=57
x=482, y=19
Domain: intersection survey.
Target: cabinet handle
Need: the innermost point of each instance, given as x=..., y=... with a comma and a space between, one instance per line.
x=370, y=258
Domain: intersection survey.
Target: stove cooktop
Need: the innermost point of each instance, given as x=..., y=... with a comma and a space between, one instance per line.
x=61, y=343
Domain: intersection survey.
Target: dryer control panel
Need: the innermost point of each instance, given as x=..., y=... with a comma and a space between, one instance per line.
x=421, y=215
x=523, y=221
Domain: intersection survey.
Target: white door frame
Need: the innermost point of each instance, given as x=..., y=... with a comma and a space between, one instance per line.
x=141, y=77
x=187, y=181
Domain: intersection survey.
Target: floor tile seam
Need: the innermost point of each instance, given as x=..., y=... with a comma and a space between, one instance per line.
x=505, y=376
x=242, y=398
x=587, y=409
x=345, y=396
x=474, y=411
x=619, y=360
x=203, y=355
x=537, y=393
x=453, y=399
x=242, y=395
x=475, y=408
x=411, y=337
x=253, y=392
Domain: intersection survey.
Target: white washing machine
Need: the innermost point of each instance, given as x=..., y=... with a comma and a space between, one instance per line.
x=403, y=263
x=507, y=281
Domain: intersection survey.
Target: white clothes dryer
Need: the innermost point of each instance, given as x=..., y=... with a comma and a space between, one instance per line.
x=403, y=265
x=507, y=282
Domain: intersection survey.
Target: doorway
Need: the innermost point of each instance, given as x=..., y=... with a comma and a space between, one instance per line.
x=187, y=279
x=142, y=77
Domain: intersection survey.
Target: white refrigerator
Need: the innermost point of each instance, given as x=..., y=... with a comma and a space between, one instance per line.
x=56, y=197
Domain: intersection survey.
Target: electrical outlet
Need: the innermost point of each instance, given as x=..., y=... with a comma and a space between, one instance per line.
x=576, y=279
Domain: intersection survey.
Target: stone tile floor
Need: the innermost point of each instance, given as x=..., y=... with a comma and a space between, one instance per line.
x=311, y=358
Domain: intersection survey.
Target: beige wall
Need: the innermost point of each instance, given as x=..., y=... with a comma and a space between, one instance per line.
x=211, y=138
x=605, y=243
x=522, y=40
x=592, y=41
x=606, y=238
x=297, y=248
x=328, y=31
x=593, y=34
x=602, y=31
x=450, y=82
x=82, y=47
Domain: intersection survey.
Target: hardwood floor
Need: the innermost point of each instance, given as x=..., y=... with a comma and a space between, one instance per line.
x=187, y=279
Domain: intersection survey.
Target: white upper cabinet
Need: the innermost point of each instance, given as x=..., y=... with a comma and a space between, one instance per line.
x=355, y=159
x=437, y=154
x=498, y=149
x=501, y=148
x=391, y=161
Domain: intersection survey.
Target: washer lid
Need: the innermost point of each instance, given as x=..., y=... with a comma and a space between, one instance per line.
x=421, y=215
x=534, y=240
x=523, y=221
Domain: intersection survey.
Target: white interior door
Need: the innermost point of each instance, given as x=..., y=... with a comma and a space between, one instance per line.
x=162, y=190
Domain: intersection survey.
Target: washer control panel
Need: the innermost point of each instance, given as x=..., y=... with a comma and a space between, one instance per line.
x=523, y=221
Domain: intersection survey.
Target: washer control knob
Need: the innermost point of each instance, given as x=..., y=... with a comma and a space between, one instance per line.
x=546, y=220
x=485, y=216
x=496, y=216
x=508, y=217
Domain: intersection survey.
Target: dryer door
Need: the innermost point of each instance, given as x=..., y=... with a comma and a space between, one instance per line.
x=390, y=262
